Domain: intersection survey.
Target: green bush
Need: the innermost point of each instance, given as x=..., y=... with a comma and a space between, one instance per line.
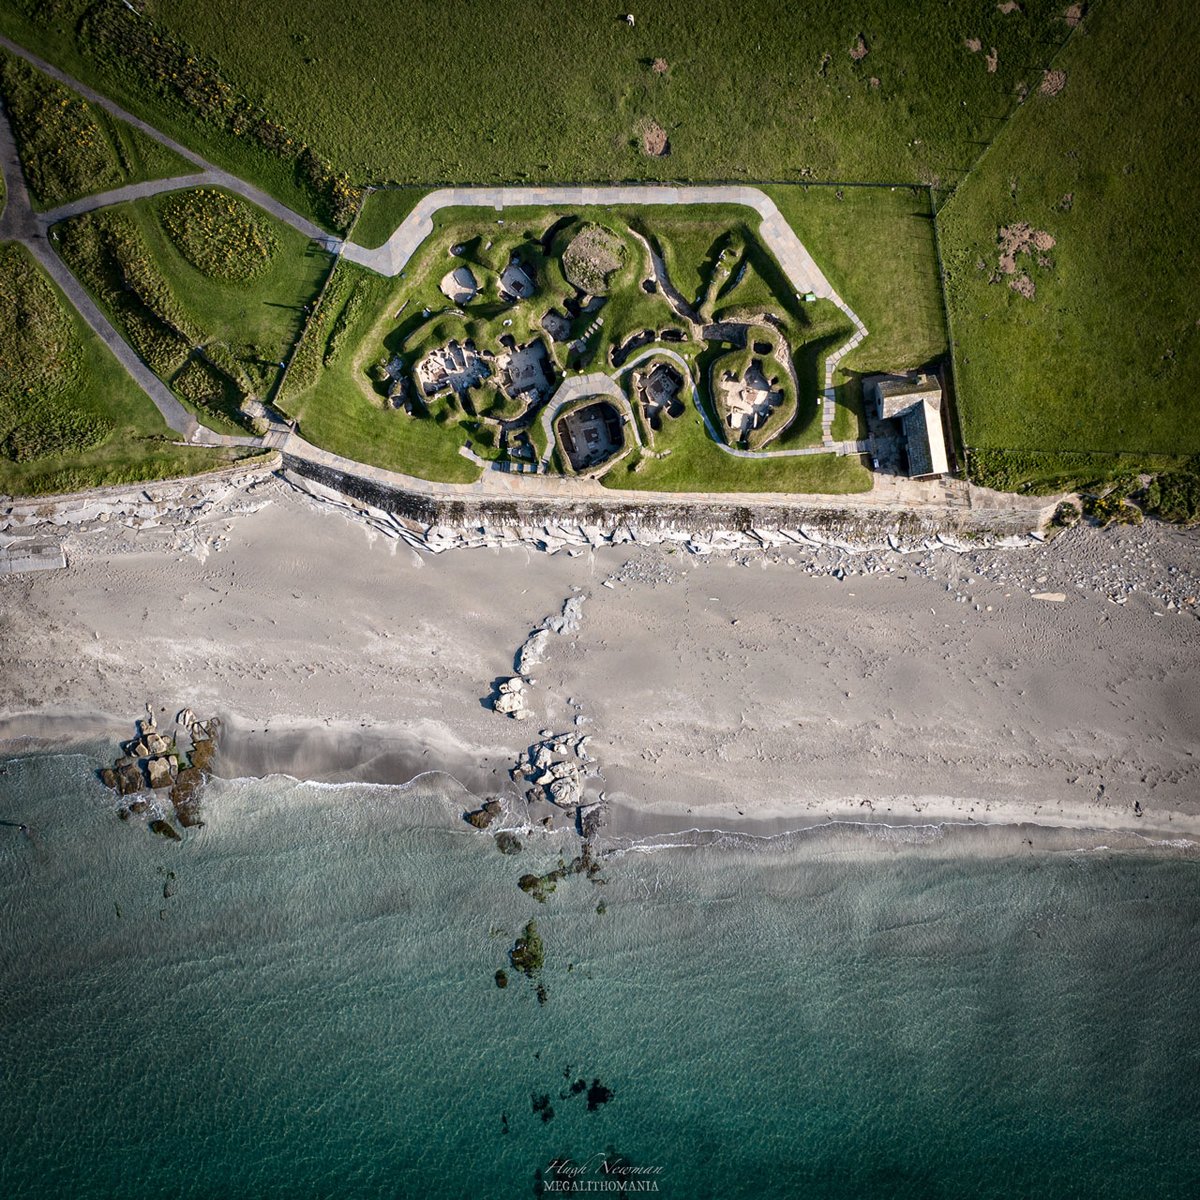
x=64, y=151
x=1175, y=495
x=1110, y=509
x=219, y=234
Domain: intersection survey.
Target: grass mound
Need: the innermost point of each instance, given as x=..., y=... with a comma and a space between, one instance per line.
x=219, y=234
x=63, y=149
x=593, y=257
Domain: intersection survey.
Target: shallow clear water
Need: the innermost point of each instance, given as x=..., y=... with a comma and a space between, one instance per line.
x=313, y=1012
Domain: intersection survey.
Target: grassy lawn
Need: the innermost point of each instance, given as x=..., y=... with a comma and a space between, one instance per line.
x=69, y=148
x=692, y=463
x=1105, y=357
x=761, y=91
x=381, y=212
x=70, y=418
x=245, y=326
x=876, y=247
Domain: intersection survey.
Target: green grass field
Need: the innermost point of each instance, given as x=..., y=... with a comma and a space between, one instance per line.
x=1106, y=357
x=543, y=91
x=70, y=417
x=246, y=327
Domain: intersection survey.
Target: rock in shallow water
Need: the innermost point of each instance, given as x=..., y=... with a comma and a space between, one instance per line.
x=165, y=829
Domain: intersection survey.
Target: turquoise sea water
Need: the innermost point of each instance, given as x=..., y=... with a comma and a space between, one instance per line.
x=312, y=1012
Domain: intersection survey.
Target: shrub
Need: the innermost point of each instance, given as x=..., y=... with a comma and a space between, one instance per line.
x=1175, y=495
x=1111, y=508
x=63, y=149
x=1065, y=515
x=219, y=234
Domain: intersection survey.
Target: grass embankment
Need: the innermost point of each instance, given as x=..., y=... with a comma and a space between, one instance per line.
x=208, y=289
x=68, y=147
x=1096, y=374
x=381, y=212
x=70, y=417
x=691, y=462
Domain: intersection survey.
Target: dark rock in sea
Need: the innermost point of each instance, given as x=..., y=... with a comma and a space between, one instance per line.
x=528, y=954
x=502, y=978
x=481, y=818
x=202, y=754
x=139, y=808
x=165, y=829
x=130, y=780
x=508, y=843
x=542, y=1106
x=108, y=777
x=578, y=1086
x=123, y=761
x=597, y=1095
x=590, y=821
x=185, y=796
x=169, y=885
x=601, y=908
x=540, y=886
x=123, y=813
x=542, y=994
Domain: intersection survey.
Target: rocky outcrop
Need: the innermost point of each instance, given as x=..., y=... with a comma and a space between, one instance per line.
x=159, y=771
x=153, y=758
x=482, y=817
x=511, y=699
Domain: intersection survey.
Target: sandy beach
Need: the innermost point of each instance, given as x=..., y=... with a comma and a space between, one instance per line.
x=764, y=691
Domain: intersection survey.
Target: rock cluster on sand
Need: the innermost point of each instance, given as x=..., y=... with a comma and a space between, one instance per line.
x=152, y=760
x=557, y=767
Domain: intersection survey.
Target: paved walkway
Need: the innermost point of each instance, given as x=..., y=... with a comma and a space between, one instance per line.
x=894, y=493
x=212, y=175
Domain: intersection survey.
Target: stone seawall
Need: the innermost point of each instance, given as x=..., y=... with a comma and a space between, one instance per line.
x=660, y=519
